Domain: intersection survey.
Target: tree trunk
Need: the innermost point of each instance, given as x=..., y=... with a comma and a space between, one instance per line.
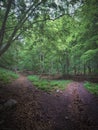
x=84, y=69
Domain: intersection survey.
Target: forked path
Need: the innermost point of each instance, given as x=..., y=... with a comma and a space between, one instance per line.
x=73, y=109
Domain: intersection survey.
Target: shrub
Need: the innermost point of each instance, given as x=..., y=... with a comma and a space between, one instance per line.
x=48, y=85
x=92, y=87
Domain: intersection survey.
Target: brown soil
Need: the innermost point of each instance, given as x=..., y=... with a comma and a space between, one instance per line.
x=73, y=109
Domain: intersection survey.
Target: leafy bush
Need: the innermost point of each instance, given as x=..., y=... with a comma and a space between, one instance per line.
x=48, y=85
x=6, y=76
x=92, y=87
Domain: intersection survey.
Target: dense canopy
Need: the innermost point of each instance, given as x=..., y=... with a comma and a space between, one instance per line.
x=49, y=36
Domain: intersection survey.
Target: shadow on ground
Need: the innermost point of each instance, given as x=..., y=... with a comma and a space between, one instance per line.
x=72, y=109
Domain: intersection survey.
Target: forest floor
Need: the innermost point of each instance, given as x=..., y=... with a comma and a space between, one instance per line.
x=72, y=109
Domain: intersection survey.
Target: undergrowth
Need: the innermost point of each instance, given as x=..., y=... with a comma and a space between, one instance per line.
x=6, y=76
x=48, y=85
x=92, y=87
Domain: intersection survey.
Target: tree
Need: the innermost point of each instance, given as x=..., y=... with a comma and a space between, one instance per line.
x=51, y=43
x=18, y=16
x=89, y=35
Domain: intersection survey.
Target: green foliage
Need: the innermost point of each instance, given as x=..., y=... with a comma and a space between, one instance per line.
x=66, y=45
x=6, y=76
x=89, y=55
x=48, y=85
x=19, y=16
x=92, y=87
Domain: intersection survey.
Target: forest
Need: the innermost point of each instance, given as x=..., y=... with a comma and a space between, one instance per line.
x=51, y=44
x=50, y=37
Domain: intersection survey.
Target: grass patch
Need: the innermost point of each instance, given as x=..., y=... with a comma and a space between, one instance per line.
x=6, y=76
x=92, y=87
x=48, y=85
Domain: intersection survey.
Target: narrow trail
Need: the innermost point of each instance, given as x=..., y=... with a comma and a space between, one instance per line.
x=73, y=109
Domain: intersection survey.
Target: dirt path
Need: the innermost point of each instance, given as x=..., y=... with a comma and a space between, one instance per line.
x=73, y=109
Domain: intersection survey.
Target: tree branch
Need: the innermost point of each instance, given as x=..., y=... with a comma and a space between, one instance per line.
x=2, y=30
x=18, y=26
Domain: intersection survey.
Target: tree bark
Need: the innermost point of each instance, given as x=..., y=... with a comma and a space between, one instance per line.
x=2, y=30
